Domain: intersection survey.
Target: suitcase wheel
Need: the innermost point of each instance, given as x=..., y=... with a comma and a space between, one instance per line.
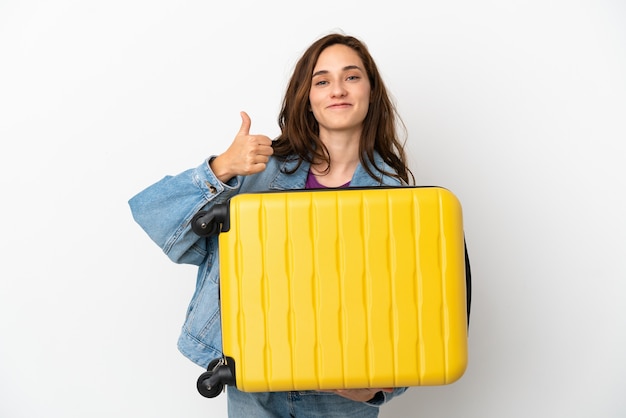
x=206, y=389
x=206, y=386
x=220, y=372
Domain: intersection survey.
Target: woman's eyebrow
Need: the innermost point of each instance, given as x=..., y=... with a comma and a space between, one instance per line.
x=346, y=68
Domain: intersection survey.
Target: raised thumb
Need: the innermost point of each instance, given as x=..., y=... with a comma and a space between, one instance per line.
x=245, y=123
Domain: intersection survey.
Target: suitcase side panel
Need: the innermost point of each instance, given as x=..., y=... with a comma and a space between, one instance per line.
x=344, y=290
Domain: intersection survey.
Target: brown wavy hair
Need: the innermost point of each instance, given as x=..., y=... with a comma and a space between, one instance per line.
x=300, y=130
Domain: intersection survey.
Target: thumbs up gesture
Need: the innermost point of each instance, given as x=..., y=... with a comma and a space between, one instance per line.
x=248, y=154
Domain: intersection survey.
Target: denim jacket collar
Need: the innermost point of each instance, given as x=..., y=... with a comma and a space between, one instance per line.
x=360, y=178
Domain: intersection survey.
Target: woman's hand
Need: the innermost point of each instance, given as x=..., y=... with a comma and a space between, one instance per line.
x=248, y=154
x=359, y=395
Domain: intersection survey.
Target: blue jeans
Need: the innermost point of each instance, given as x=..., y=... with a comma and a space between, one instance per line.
x=308, y=404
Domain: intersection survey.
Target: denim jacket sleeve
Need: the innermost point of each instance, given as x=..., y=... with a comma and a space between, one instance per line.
x=164, y=210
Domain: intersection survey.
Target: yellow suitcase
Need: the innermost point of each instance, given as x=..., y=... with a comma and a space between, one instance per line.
x=340, y=288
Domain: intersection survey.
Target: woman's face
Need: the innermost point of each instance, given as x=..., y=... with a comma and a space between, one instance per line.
x=340, y=90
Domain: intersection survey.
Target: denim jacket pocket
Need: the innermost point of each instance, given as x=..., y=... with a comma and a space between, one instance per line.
x=201, y=335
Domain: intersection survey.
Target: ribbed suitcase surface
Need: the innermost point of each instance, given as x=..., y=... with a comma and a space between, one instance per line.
x=350, y=288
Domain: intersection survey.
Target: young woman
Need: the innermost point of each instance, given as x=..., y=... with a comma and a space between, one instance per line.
x=338, y=129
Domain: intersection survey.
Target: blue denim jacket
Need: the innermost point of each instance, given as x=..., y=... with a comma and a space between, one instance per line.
x=164, y=210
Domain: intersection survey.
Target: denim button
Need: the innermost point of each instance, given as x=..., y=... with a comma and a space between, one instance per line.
x=212, y=188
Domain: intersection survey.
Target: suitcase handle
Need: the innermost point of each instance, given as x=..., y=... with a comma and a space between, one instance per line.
x=468, y=282
x=211, y=222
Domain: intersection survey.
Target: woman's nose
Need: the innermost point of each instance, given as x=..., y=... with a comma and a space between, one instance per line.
x=338, y=90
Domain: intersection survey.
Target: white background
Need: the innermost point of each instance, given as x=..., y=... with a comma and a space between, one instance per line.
x=519, y=107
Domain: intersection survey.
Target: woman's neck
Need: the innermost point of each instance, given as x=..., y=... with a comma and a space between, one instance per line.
x=344, y=158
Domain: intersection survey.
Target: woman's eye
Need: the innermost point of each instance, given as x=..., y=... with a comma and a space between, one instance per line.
x=321, y=83
x=353, y=77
